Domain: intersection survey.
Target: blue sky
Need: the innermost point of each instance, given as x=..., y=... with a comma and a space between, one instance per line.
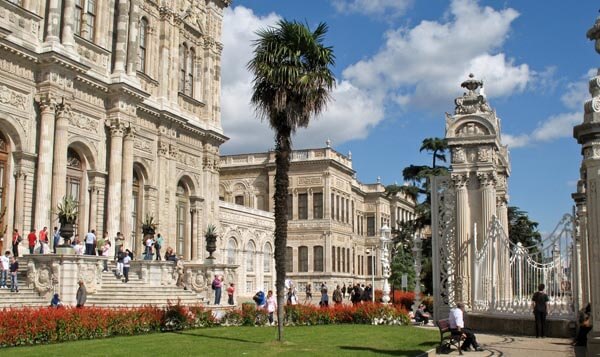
x=399, y=65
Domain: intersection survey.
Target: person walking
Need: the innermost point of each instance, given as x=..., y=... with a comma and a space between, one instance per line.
x=90, y=240
x=43, y=239
x=126, y=265
x=100, y=244
x=217, y=285
x=105, y=253
x=271, y=306
x=81, y=296
x=324, y=296
x=308, y=292
x=338, y=297
x=16, y=239
x=120, y=256
x=4, y=267
x=230, y=291
x=539, y=302
x=14, y=269
x=158, y=244
x=118, y=244
x=148, y=243
x=55, y=239
x=31, y=239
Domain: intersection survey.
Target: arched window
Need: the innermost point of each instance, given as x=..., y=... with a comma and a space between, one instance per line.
x=135, y=195
x=250, y=253
x=302, y=259
x=318, y=258
x=189, y=85
x=182, y=213
x=74, y=178
x=289, y=259
x=267, y=258
x=231, y=248
x=143, y=42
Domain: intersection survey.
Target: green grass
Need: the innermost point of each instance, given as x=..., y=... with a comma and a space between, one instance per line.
x=331, y=340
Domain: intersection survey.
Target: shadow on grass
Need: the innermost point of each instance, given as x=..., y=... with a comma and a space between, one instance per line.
x=378, y=351
x=216, y=337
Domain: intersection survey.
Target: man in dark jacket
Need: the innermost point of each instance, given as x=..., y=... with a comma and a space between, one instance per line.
x=81, y=294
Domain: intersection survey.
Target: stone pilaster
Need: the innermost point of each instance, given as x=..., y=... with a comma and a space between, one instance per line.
x=20, y=178
x=488, y=202
x=463, y=238
x=68, y=39
x=53, y=21
x=61, y=143
x=44, y=165
x=121, y=37
x=127, y=186
x=113, y=209
x=132, y=46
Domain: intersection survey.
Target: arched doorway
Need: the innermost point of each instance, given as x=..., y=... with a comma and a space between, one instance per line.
x=136, y=214
x=75, y=181
x=183, y=235
x=4, y=163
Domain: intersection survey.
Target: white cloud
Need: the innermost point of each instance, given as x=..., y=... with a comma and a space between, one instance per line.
x=427, y=63
x=555, y=127
x=387, y=8
x=350, y=115
x=578, y=92
x=515, y=141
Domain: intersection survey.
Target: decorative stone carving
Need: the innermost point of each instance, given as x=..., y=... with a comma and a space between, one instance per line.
x=483, y=154
x=471, y=129
x=163, y=148
x=458, y=155
x=42, y=277
x=141, y=144
x=12, y=98
x=487, y=179
x=310, y=181
x=82, y=121
x=460, y=180
x=471, y=102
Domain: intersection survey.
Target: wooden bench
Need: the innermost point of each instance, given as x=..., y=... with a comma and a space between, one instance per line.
x=447, y=338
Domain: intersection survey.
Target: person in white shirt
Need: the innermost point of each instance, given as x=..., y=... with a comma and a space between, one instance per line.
x=90, y=240
x=4, y=265
x=457, y=326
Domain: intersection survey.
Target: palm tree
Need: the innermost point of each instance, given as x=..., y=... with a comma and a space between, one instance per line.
x=292, y=82
x=438, y=148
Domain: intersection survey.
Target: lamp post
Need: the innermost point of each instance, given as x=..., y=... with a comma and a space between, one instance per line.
x=417, y=249
x=385, y=262
x=371, y=252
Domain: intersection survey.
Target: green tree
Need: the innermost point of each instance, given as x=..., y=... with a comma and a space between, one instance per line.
x=521, y=229
x=437, y=147
x=292, y=82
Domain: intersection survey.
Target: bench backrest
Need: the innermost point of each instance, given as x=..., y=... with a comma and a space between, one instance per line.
x=444, y=325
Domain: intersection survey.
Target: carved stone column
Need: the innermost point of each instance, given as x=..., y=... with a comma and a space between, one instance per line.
x=20, y=177
x=113, y=209
x=132, y=46
x=463, y=238
x=68, y=39
x=61, y=142
x=44, y=164
x=121, y=37
x=127, y=186
x=93, y=190
x=53, y=21
x=488, y=202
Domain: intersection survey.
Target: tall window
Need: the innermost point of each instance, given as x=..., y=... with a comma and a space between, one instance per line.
x=370, y=226
x=85, y=18
x=250, y=253
x=290, y=207
x=189, y=84
x=332, y=206
x=318, y=205
x=142, y=45
x=370, y=265
x=239, y=200
x=343, y=270
x=267, y=258
x=318, y=258
x=333, y=258
x=289, y=259
x=303, y=259
x=134, y=210
x=231, y=248
x=302, y=206
x=337, y=207
x=348, y=260
x=74, y=177
x=339, y=259
x=182, y=54
x=187, y=57
x=343, y=200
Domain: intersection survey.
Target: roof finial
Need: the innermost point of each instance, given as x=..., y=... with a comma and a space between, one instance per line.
x=328, y=143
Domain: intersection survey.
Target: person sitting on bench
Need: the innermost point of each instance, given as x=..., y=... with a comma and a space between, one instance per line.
x=457, y=326
x=421, y=315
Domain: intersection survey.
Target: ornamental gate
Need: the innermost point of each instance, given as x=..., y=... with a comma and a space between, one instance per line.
x=504, y=275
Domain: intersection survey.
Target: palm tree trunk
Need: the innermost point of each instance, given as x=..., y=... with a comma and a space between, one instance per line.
x=282, y=162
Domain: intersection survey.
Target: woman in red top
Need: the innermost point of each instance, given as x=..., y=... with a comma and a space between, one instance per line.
x=230, y=291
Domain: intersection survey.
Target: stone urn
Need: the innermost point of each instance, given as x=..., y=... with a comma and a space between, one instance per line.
x=211, y=240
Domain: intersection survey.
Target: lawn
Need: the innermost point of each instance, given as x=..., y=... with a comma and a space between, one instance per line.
x=330, y=340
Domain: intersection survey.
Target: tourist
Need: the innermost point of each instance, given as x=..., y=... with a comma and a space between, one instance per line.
x=4, y=266
x=149, y=243
x=355, y=296
x=126, y=265
x=457, y=327
x=118, y=244
x=105, y=252
x=540, y=310
x=308, y=292
x=81, y=296
x=16, y=239
x=230, y=291
x=14, y=269
x=56, y=239
x=100, y=244
x=170, y=255
x=179, y=269
x=259, y=298
x=43, y=239
x=343, y=290
x=368, y=293
x=55, y=302
x=217, y=285
x=271, y=306
x=324, y=296
x=337, y=296
x=421, y=315
x=158, y=243
x=584, y=325
x=31, y=239
x=79, y=247
x=90, y=240
x=120, y=256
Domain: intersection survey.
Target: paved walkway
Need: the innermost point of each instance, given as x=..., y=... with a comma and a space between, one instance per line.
x=520, y=346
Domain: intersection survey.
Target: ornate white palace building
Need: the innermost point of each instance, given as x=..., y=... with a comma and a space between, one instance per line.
x=117, y=103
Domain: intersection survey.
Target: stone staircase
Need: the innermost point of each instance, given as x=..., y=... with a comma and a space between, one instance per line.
x=26, y=297
x=115, y=292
